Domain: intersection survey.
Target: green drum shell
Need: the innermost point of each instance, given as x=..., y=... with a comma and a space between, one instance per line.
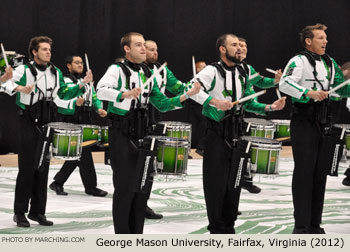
x=347, y=135
x=282, y=128
x=261, y=127
x=91, y=132
x=66, y=141
x=104, y=135
x=264, y=154
x=172, y=156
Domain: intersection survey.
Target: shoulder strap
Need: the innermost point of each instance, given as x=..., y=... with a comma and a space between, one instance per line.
x=127, y=73
x=220, y=69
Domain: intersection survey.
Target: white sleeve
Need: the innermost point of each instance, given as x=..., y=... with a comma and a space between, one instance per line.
x=291, y=76
x=66, y=104
x=205, y=77
x=348, y=103
x=10, y=85
x=106, y=87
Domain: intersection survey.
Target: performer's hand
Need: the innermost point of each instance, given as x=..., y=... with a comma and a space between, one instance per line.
x=88, y=77
x=24, y=89
x=102, y=112
x=221, y=104
x=7, y=75
x=279, y=104
x=318, y=95
x=132, y=94
x=80, y=101
x=194, y=90
x=278, y=76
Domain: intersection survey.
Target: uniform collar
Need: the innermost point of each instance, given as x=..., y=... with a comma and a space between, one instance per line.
x=134, y=66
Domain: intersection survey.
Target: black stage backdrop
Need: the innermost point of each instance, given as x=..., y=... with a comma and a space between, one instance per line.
x=181, y=28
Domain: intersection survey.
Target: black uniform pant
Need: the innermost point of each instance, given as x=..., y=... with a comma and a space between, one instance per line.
x=128, y=206
x=309, y=178
x=86, y=170
x=221, y=200
x=31, y=183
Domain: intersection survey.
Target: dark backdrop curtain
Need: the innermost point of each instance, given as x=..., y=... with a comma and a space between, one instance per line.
x=181, y=29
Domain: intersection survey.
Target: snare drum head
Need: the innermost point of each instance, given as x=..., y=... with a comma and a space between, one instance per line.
x=169, y=141
x=257, y=141
x=64, y=127
x=258, y=121
x=174, y=124
x=283, y=122
x=342, y=126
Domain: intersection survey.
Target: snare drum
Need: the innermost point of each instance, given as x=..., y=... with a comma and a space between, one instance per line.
x=104, y=136
x=171, y=156
x=347, y=134
x=260, y=127
x=91, y=134
x=178, y=129
x=66, y=140
x=282, y=128
x=264, y=154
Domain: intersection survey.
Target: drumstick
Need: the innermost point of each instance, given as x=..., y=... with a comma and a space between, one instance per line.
x=87, y=62
x=282, y=138
x=164, y=129
x=248, y=147
x=339, y=86
x=249, y=97
x=4, y=55
x=342, y=133
x=271, y=71
x=248, y=127
x=278, y=93
x=193, y=67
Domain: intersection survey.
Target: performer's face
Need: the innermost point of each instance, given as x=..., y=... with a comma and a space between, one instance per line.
x=136, y=52
x=43, y=55
x=318, y=43
x=232, y=50
x=200, y=66
x=77, y=65
x=151, y=52
x=244, y=50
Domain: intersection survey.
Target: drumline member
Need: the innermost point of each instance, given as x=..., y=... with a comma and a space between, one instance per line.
x=261, y=82
x=346, y=72
x=79, y=114
x=195, y=117
x=166, y=80
x=222, y=83
x=35, y=97
x=122, y=86
x=306, y=78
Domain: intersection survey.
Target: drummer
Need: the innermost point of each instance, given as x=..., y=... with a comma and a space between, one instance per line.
x=123, y=86
x=86, y=103
x=259, y=81
x=306, y=78
x=34, y=99
x=222, y=83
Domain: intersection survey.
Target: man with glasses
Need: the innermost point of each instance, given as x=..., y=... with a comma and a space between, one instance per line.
x=80, y=114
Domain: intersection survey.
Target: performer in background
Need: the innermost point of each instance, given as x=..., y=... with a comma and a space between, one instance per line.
x=86, y=104
x=123, y=86
x=346, y=72
x=38, y=85
x=222, y=83
x=307, y=78
x=261, y=82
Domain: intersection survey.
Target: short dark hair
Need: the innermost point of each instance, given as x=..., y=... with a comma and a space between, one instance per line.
x=126, y=40
x=242, y=39
x=34, y=44
x=306, y=32
x=221, y=41
x=69, y=59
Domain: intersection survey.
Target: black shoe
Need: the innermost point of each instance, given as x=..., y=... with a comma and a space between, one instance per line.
x=252, y=188
x=21, y=220
x=302, y=230
x=316, y=230
x=346, y=181
x=57, y=188
x=96, y=192
x=40, y=218
x=239, y=213
x=150, y=214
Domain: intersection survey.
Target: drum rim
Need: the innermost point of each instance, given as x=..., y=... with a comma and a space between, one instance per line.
x=86, y=126
x=263, y=127
x=281, y=122
x=176, y=123
x=263, y=140
x=250, y=120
